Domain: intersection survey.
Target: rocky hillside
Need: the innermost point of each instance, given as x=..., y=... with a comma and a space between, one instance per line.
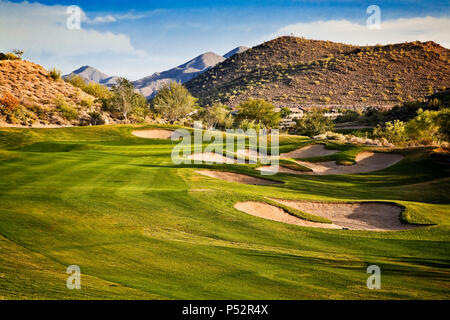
x=30, y=96
x=295, y=71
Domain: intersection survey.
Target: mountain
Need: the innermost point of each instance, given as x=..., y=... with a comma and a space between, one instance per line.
x=40, y=100
x=291, y=71
x=235, y=51
x=91, y=74
x=185, y=72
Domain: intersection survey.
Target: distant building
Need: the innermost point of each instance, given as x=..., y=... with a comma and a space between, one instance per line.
x=289, y=121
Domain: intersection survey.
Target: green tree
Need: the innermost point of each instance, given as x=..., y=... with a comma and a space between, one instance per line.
x=123, y=99
x=424, y=128
x=314, y=123
x=217, y=116
x=140, y=108
x=259, y=111
x=443, y=121
x=173, y=102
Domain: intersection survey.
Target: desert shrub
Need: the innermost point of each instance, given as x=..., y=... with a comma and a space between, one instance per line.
x=55, y=74
x=41, y=112
x=76, y=81
x=94, y=89
x=333, y=136
x=7, y=100
x=97, y=90
x=87, y=102
x=67, y=111
x=96, y=118
x=14, y=113
x=394, y=132
x=8, y=56
x=314, y=123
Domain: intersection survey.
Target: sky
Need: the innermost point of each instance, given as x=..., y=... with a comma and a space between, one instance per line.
x=136, y=38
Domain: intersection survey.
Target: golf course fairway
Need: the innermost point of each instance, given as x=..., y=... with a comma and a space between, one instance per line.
x=140, y=227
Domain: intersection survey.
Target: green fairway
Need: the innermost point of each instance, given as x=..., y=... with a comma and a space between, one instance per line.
x=141, y=227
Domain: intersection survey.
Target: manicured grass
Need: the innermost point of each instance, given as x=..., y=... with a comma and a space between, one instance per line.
x=141, y=227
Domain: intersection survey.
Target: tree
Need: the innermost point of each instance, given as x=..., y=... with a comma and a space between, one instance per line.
x=140, y=107
x=173, y=101
x=422, y=128
x=217, y=116
x=313, y=124
x=259, y=111
x=123, y=99
x=443, y=121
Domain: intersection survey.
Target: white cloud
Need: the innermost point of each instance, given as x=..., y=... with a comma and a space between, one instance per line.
x=42, y=32
x=39, y=28
x=105, y=19
x=111, y=19
x=392, y=31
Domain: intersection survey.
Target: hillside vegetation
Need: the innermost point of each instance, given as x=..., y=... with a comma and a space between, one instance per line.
x=296, y=71
x=38, y=97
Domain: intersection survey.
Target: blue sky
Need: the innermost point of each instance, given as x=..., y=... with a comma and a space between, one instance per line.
x=136, y=38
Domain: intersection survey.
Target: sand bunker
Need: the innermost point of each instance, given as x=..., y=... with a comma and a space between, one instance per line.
x=236, y=177
x=156, y=134
x=374, y=216
x=212, y=158
x=267, y=211
x=316, y=150
x=365, y=162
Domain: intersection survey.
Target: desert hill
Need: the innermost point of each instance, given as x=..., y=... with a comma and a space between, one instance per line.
x=40, y=99
x=295, y=71
x=90, y=74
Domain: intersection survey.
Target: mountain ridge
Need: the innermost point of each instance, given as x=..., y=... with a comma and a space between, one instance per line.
x=291, y=71
x=91, y=74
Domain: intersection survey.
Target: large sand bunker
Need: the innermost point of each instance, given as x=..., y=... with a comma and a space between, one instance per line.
x=365, y=162
x=267, y=211
x=211, y=157
x=156, y=134
x=374, y=216
x=236, y=177
x=315, y=150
